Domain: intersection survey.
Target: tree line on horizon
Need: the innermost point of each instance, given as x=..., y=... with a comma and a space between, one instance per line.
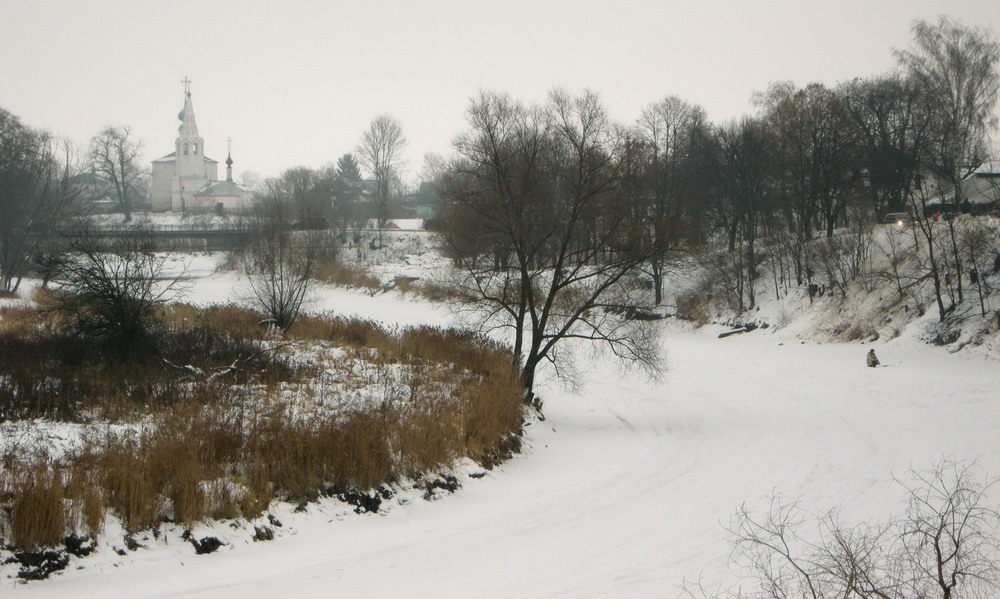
x=562, y=219
x=559, y=215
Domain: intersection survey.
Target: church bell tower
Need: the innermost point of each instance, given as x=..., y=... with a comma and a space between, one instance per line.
x=189, y=147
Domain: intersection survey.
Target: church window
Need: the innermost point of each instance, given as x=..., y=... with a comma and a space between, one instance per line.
x=195, y=148
x=185, y=149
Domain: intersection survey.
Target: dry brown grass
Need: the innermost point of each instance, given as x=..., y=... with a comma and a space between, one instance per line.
x=48, y=373
x=223, y=452
x=694, y=306
x=337, y=273
x=18, y=320
x=37, y=515
x=352, y=332
x=236, y=321
x=130, y=490
x=491, y=415
x=48, y=500
x=440, y=292
x=87, y=504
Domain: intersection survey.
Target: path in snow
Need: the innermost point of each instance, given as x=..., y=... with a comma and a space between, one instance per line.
x=624, y=489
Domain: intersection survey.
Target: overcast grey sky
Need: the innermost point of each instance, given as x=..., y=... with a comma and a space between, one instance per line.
x=295, y=82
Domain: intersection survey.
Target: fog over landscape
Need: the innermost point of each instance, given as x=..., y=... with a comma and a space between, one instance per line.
x=296, y=83
x=513, y=299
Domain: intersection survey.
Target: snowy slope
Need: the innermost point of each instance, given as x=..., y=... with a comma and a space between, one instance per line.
x=624, y=490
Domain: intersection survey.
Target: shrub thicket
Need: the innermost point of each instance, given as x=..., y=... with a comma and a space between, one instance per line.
x=212, y=438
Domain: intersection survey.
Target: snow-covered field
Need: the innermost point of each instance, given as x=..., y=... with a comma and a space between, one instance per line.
x=624, y=489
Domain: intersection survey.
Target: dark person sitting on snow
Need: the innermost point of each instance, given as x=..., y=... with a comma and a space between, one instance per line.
x=872, y=359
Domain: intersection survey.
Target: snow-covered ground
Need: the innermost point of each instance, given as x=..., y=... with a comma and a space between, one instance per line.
x=624, y=489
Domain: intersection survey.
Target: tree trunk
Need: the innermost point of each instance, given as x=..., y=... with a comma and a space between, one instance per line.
x=658, y=281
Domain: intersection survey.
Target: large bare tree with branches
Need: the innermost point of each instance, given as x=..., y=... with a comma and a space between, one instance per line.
x=114, y=156
x=946, y=545
x=549, y=244
x=279, y=265
x=380, y=153
x=672, y=149
x=37, y=175
x=956, y=67
x=743, y=156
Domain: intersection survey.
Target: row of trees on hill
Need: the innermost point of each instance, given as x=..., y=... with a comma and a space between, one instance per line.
x=564, y=220
x=45, y=179
x=37, y=185
x=333, y=193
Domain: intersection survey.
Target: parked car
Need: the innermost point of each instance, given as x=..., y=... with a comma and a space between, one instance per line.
x=898, y=218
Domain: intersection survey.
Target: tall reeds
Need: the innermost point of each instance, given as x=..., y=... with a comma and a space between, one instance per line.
x=193, y=446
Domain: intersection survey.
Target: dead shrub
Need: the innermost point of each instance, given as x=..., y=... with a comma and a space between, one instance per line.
x=360, y=450
x=491, y=412
x=256, y=489
x=57, y=375
x=38, y=514
x=222, y=499
x=131, y=493
x=87, y=507
x=427, y=435
x=693, y=306
x=345, y=275
x=440, y=292
x=220, y=448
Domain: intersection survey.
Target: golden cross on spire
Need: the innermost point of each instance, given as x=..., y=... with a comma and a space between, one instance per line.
x=187, y=85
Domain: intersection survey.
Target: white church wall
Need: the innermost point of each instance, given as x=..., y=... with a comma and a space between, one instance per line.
x=160, y=187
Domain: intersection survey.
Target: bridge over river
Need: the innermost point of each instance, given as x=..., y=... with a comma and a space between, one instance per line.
x=210, y=237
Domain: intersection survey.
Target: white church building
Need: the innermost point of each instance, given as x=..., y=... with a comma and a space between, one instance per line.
x=186, y=180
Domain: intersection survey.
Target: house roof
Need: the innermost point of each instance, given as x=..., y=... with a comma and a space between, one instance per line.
x=172, y=157
x=220, y=188
x=980, y=188
x=399, y=224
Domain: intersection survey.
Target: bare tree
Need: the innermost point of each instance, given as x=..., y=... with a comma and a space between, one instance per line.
x=893, y=125
x=980, y=243
x=946, y=545
x=549, y=243
x=743, y=156
x=673, y=147
x=37, y=188
x=278, y=271
x=306, y=193
x=956, y=67
x=929, y=230
x=110, y=285
x=380, y=152
x=815, y=154
x=114, y=156
x=950, y=540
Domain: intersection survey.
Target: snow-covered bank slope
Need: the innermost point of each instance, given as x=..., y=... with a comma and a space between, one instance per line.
x=624, y=489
